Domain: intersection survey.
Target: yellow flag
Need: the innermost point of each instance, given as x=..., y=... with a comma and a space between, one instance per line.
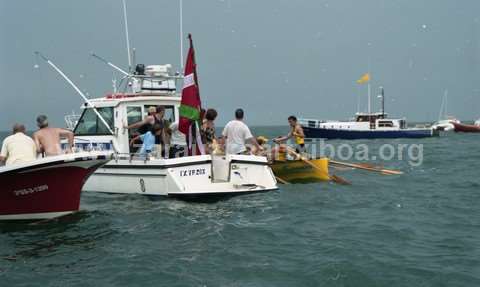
x=365, y=78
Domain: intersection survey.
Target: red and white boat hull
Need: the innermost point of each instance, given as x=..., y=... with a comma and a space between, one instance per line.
x=46, y=188
x=466, y=128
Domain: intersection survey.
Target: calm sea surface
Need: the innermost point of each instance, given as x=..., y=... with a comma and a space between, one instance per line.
x=418, y=229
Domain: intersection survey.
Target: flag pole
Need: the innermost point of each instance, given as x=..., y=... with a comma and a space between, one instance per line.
x=369, y=98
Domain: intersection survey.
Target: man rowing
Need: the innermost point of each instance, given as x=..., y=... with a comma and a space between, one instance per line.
x=47, y=139
x=296, y=131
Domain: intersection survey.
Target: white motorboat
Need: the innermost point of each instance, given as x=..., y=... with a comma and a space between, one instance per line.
x=101, y=127
x=180, y=177
x=445, y=123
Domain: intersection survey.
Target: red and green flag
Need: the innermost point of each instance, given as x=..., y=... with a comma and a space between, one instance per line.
x=191, y=106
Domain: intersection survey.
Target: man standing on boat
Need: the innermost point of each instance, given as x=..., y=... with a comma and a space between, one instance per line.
x=47, y=139
x=296, y=131
x=18, y=148
x=237, y=135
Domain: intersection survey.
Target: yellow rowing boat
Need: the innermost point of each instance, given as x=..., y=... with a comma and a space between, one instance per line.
x=298, y=171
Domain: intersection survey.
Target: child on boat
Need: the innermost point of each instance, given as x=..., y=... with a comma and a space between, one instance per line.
x=148, y=141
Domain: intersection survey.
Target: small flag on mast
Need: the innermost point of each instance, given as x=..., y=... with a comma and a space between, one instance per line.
x=191, y=106
x=364, y=79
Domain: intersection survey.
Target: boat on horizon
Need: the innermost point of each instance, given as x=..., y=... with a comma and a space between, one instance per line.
x=364, y=126
x=48, y=187
x=465, y=128
x=445, y=122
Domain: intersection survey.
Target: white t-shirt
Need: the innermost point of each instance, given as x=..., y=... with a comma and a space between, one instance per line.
x=237, y=133
x=19, y=148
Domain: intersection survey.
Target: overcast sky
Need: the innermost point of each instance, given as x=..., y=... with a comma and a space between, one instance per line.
x=274, y=58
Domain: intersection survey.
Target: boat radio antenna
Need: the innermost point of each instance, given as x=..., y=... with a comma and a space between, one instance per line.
x=76, y=89
x=126, y=35
x=181, y=36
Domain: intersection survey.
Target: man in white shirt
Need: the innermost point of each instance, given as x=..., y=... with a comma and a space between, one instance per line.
x=237, y=134
x=18, y=148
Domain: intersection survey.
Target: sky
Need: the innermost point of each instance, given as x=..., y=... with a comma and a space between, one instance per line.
x=272, y=58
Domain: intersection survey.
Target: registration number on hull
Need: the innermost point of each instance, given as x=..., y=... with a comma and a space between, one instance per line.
x=30, y=190
x=193, y=172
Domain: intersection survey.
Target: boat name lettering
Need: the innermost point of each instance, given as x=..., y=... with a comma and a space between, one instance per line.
x=193, y=172
x=30, y=190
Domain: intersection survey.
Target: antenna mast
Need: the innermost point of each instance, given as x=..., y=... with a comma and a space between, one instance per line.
x=181, y=35
x=126, y=35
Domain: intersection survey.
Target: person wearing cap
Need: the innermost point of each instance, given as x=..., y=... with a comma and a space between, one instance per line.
x=237, y=135
x=18, y=148
x=47, y=139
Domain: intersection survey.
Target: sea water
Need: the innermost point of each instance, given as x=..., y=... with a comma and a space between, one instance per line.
x=421, y=228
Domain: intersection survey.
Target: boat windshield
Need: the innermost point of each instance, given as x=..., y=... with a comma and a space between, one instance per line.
x=90, y=124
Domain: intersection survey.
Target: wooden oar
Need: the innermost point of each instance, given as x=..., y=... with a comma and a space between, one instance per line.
x=334, y=178
x=361, y=166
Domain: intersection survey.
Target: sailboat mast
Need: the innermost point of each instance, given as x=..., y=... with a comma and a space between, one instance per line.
x=369, y=98
x=383, y=101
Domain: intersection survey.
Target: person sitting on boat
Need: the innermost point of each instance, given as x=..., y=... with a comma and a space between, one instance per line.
x=277, y=153
x=236, y=135
x=148, y=141
x=47, y=139
x=296, y=131
x=208, y=130
x=18, y=148
x=177, y=142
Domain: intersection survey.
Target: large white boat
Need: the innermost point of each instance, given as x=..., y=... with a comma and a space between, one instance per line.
x=101, y=127
x=190, y=176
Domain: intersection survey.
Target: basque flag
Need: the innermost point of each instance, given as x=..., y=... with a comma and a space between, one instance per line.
x=191, y=106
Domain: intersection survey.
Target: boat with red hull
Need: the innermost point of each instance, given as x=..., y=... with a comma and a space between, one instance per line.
x=466, y=128
x=46, y=188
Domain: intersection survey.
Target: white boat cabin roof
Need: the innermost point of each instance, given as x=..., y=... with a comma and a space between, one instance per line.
x=113, y=100
x=366, y=117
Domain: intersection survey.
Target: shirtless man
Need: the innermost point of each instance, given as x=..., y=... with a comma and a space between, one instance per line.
x=48, y=139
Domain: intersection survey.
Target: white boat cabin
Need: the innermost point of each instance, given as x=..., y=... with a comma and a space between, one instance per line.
x=362, y=121
x=119, y=110
x=151, y=86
